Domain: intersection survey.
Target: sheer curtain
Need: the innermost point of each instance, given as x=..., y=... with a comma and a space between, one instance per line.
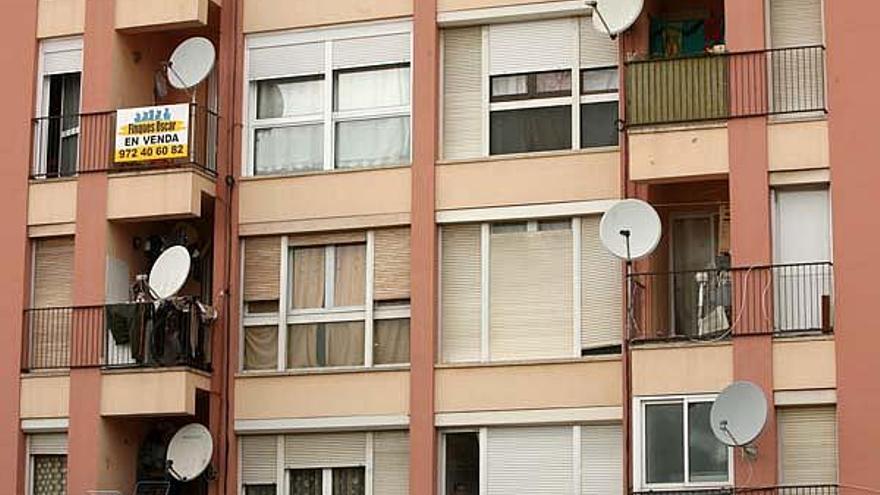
x=370, y=89
x=302, y=346
x=345, y=343
x=306, y=482
x=350, y=276
x=391, y=343
x=260, y=348
x=289, y=148
x=349, y=481
x=308, y=278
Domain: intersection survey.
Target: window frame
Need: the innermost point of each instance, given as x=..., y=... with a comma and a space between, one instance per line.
x=640, y=451
x=43, y=97
x=370, y=312
x=327, y=476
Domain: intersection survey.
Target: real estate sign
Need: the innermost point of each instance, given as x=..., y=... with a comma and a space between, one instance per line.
x=152, y=133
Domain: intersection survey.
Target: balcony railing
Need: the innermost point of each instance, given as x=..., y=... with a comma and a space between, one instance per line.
x=773, y=490
x=125, y=335
x=726, y=86
x=67, y=145
x=719, y=303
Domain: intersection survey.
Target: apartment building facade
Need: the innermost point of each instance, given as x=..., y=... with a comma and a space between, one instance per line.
x=393, y=207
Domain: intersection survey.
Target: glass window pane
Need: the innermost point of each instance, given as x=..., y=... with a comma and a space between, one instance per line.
x=534, y=129
x=509, y=227
x=707, y=457
x=553, y=82
x=306, y=482
x=289, y=149
x=259, y=490
x=261, y=348
x=317, y=345
x=599, y=124
x=349, y=481
x=599, y=80
x=49, y=475
x=391, y=341
x=372, y=142
x=350, y=289
x=547, y=225
x=307, y=277
x=290, y=97
x=664, y=438
x=345, y=343
x=510, y=85
x=258, y=307
x=363, y=89
x=462, y=464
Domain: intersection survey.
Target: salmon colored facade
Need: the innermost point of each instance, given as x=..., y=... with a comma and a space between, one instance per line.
x=460, y=331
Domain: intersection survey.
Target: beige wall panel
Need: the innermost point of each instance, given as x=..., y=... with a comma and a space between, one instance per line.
x=331, y=394
x=449, y=5
x=158, y=14
x=529, y=180
x=532, y=386
x=682, y=370
x=267, y=15
x=659, y=155
x=804, y=364
x=52, y=202
x=798, y=145
x=324, y=197
x=45, y=396
x=165, y=194
x=60, y=18
x=149, y=393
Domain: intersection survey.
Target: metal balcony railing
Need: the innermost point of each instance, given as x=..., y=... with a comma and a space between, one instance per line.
x=719, y=303
x=67, y=145
x=725, y=86
x=125, y=335
x=772, y=490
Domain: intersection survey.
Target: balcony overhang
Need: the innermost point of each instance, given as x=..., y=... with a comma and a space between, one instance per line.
x=155, y=15
x=658, y=155
x=158, y=194
x=152, y=392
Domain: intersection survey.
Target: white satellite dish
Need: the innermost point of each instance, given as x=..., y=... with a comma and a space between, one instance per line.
x=630, y=229
x=739, y=414
x=170, y=272
x=615, y=16
x=189, y=452
x=191, y=62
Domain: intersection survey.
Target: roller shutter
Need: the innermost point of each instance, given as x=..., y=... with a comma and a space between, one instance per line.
x=262, y=268
x=392, y=268
x=602, y=290
x=460, y=282
x=807, y=445
x=259, y=456
x=462, y=93
x=601, y=460
x=530, y=460
x=391, y=463
x=320, y=450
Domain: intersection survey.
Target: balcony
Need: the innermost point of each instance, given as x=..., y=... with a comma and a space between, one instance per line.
x=117, y=337
x=717, y=304
x=718, y=87
x=773, y=490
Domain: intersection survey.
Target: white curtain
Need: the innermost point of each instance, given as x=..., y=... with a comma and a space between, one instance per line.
x=365, y=143
x=510, y=85
x=289, y=149
x=359, y=90
x=289, y=98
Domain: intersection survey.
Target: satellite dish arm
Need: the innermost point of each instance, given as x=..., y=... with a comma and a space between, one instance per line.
x=594, y=4
x=189, y=91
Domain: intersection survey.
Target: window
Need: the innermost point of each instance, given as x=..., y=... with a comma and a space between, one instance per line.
x=259, y=489
x=56, y=133
x=807, y=438
x=333, y=315
x=49, y=475
x=678, y=446
x=340, y=102
x=462, y=464
x=599, y=107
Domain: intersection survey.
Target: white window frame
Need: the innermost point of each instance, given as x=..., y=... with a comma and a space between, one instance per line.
x=368, y=313
x=47, y=47
x=329, y=117
x=639, y=449
x=29, y=468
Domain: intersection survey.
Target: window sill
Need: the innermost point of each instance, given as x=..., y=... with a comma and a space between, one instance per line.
x=530, y=362
x=532, y=155
x=680, y=488
x=312, y=173
x=322, y=371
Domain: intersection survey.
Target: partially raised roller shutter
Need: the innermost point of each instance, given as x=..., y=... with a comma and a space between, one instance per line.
x=601, y=291
x=462, y=93
x=532, y=46
x=53, y=272
x=47, y=444
x=319, y=450
x=262, y=268
x=392, y=272
x=259, y=456
x=807, y=445
x=601, y=460
x=460, y=298
x=391, y=463
x=798, y=76
x=596, y=48
x=270, y=62
x=530, y=460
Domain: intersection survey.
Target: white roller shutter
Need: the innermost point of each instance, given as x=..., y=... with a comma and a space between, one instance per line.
x=795, y=23
x=601, y=460
x=807, y=445
x=602, y=290
x=460, y=300
x=285, y=61
x=532, y=46
x=373, y=50
x=391, y=463
x=462, y=93
x=530, y=295
x=48, y=444
x=530, y=460
x=321, y=450
x=62, y=56
x=259, y=456
x=798, y=76
x=596, y=49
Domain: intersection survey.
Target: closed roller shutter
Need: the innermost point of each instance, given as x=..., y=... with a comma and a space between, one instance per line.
x=460, y=293
x=601, y=460
x=392, y=271
x=259, y=456
x=798, y=75
x=374, y=50
x=601, y=290
x=530, y=460
x=531, y=46
x=285, y=61
x=62, y=56
x=391, y=463
x=462, y=93
x=597, y=48
x=807, y=445
x=48, y=444
x=326, y=239
x=530, y=295
x=795, y=23
x=262, y=268
x=53, y=272
x=319, y=450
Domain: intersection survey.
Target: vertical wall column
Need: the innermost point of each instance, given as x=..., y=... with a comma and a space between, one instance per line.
x=18, y=56
x=85, y=434
x=855, y=181
x=751, y=237
x=424, y=249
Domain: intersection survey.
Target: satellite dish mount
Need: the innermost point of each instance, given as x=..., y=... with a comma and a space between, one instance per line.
x=738, y=417
x=615, y=16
